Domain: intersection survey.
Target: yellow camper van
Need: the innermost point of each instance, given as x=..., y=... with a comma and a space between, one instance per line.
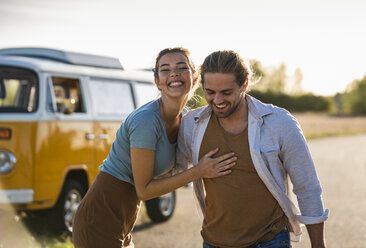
x=59, y=112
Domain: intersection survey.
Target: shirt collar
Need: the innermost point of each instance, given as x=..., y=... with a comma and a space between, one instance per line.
x=256, y=108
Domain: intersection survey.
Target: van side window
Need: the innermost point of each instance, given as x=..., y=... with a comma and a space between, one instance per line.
x=111, y=97
x=67, y=95
x=145, y=92
x=18, y=90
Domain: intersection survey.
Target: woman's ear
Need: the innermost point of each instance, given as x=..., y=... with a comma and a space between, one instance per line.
x=195, y=78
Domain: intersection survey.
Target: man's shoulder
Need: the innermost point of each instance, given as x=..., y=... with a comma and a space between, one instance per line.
x=280, y=115
x=195, y=113
x=279, y=111
x=268, y=109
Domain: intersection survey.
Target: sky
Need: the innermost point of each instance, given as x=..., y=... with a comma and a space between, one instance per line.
x=325, y=39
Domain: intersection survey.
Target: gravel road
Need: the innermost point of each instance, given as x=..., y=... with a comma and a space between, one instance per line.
x=341, y=166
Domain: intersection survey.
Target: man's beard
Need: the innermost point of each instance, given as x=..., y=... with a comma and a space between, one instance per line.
x=228, y=112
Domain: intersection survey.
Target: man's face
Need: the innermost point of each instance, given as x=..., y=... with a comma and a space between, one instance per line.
x=222, y=93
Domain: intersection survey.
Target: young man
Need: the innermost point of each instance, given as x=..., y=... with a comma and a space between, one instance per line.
x=251, y=206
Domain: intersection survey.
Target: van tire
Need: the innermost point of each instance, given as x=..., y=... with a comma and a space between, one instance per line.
x=160, y=209
x=62, y=215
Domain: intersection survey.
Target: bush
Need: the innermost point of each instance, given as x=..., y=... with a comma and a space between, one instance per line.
x=357, y=97
x=298, y=103
x=295, y=103
x=198, y=100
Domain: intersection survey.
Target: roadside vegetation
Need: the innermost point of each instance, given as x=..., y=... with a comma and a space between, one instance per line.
x=318, y=125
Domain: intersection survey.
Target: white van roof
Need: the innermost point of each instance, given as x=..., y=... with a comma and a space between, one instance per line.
x=64, y=57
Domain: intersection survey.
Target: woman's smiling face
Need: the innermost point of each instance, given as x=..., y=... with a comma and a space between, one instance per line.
x=175, y=75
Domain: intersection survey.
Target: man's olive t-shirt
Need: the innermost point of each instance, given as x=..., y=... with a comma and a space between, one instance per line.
x=239, y=209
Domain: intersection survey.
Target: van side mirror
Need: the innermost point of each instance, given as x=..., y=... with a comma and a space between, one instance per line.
x=2, y=89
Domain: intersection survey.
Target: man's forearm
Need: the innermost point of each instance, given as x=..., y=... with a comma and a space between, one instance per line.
x=316, y=234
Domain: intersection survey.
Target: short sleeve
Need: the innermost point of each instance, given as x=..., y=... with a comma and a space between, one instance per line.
x=143, y=130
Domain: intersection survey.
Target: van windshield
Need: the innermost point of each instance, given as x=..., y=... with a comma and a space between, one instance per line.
x=18, y=90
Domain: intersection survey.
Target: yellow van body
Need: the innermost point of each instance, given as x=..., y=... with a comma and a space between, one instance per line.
x=58, y=120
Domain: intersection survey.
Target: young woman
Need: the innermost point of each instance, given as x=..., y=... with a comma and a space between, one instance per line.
x=143, y=149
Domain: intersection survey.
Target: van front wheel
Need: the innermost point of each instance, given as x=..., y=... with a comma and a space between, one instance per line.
x=63, y=213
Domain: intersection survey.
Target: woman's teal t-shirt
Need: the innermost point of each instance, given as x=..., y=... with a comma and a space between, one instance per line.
x=143, y=128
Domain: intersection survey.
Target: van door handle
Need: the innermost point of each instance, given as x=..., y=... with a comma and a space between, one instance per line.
x=103, y=136
x=89, y=136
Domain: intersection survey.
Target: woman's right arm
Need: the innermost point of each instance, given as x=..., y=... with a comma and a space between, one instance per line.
x=147, y=187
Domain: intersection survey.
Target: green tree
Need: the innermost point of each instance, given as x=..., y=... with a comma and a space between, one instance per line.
x=197, y=100
x=269, y=79
x=296, y=83
x=356, y=97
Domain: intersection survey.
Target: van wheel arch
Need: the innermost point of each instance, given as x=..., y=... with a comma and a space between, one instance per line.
x=80, y=176
x=62, y=214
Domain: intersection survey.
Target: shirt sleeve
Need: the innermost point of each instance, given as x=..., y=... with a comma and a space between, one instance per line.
x=143, y=130
x=300, y=167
